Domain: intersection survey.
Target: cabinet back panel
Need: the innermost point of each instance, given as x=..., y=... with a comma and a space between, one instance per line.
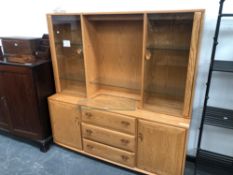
x=167, y=72
x=119, y=53
x=174, y=33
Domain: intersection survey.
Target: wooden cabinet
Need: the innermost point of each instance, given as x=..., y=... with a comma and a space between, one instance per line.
x=161, y=148
x=133, y=76
x=23, y=98
x=66, y=120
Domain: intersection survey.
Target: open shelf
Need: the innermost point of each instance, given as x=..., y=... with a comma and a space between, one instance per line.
x=207, y=158
x=168, y=44
x=69, y=53
x=115, y=56
x=223, y=66
x=219, y=117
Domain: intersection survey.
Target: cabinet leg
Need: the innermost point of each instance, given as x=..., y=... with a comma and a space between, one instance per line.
x=45, y=144
x=44, y=147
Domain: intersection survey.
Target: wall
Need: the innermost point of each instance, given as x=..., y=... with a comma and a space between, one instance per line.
x=27, y=18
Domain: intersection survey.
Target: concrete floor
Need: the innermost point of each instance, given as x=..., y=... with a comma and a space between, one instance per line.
x=19, y=158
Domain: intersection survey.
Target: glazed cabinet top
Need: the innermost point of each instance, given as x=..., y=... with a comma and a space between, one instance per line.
x=142, y=61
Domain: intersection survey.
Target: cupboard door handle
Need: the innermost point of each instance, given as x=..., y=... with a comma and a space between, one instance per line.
x=88, y=114
x=124, y=157
x=148, y=55
x=89, y=132
x=124, y=141
x=140, y=137
x=79, y=51
x=90, y=147
x=125, y=123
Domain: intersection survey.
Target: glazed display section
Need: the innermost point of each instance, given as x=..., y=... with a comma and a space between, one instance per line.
x=124, y=86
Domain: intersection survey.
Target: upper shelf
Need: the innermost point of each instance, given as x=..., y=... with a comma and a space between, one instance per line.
x=167, y=48
x=219, y=117
x=70, y=42
x=223, y=66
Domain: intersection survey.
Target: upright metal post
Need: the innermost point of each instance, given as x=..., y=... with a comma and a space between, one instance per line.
x=215, y=43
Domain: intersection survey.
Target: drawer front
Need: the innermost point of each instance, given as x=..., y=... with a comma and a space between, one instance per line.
x=109, y=153
x=109, y=120
x=17, y=46
x=109, y=137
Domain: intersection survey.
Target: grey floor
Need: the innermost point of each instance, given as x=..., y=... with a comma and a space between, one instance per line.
x=19, y=158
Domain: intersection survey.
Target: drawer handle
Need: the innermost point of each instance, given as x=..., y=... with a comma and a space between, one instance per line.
x=124, y=141
x=125, y=158
x=89, y=132
x=16, y=44
x=125, y=123
x=90, y=147
x=88, y=114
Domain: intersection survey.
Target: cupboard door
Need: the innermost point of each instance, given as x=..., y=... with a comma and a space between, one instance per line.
x=4, y=111
x=20, y=103
x=160, y=148
x=65, y=120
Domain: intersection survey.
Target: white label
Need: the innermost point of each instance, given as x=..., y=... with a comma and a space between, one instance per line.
x=66, y=43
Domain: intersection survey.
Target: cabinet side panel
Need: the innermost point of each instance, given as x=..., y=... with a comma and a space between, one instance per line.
x=89, y=39
x=192, y=63
x=44, y=85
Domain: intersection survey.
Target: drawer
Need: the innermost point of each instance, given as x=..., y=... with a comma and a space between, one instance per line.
x=109, y=153
x=109, y=120
x=109, y=137
x=19, y=46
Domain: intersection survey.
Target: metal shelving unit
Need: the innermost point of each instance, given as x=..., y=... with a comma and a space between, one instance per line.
x=215, y=116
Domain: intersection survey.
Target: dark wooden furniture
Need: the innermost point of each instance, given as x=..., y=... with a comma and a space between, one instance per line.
x=24, y=89
x=1, y=54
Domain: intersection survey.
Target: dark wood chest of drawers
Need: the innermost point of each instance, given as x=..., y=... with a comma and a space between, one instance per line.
x=23, y=100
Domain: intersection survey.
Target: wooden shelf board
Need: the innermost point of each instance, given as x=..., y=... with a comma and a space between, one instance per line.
x=164, y=104
x=168, y=48
x=115, y=17
x=71, y=43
